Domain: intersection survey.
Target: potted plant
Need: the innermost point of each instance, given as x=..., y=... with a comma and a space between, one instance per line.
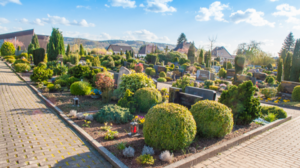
x=95, y=94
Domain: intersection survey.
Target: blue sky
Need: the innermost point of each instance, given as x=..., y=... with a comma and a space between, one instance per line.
x=232, y=21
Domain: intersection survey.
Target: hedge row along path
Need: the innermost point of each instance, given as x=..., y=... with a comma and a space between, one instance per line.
x=32, y=135
x=278, y=147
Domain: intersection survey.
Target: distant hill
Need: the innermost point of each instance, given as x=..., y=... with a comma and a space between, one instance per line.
x=104, y=44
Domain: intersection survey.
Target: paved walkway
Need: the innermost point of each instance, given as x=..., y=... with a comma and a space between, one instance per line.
x=32, y=135
x=278, y=147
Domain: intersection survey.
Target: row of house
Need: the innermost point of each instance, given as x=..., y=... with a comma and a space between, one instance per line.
x=23, y=39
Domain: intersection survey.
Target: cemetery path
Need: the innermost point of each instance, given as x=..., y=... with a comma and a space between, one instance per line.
x=32, y=135
x=278, y=147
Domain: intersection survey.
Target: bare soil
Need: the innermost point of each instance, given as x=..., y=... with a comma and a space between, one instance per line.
x=200, y=144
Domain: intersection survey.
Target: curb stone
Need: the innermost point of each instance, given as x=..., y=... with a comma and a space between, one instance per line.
x=281, y=105
x=101, y=149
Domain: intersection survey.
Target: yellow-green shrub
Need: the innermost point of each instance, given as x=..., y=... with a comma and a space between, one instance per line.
x=135, y=81
x=213, y=119
x=21, y=67
x=213, y=87
x=169, y=127
x=296, y=93
x=146, y=98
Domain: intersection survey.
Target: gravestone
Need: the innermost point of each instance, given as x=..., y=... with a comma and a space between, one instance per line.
x=253, y=70
x=205, y=93
x=170, y=74
x=212, y=76
x=203, y=75
x=174, y=95
x=189, y=99
x=260, y=76
x=161, y=68
x=217, y=68
x=123, y=71
x=178, y=73
x=288, y=86
x=230, y=73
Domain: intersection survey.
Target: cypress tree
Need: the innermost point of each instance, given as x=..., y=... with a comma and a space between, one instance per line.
x=283, y=54
x=295, y=70
x=19, y=48
x=30, y=48
x=191, y=53
x=55, y=45
x=287, y=66
x=201, y=57
x=81, y=52
x=68, y=50
x=239, y=62
x=208, y=58
x=35, y=41
x=279, y=71
x=121, y=52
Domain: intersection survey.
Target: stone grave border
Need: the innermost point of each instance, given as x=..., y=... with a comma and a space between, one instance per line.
x=187, y=162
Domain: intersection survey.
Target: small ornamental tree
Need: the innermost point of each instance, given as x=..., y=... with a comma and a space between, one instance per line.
x=105, y=84
x=239, y=62
x=208, y=59
x=201, y=57
x=139, y=68
x=7, y=48
x=68, y=50
x=240, y=99
x=35, y=41
x=30, y=48
x=81, y=52
x=191, y=53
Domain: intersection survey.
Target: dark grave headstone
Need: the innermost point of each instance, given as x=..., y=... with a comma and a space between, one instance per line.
x=174, y=95
x=161, y=68
x=288, y=86
x=205, y=93
x=230, y=73
x=156, y=68
x=123, y=71
x=260, y=76
x=189, y=99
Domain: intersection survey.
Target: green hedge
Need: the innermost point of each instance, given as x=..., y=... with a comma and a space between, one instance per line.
x=38, y=55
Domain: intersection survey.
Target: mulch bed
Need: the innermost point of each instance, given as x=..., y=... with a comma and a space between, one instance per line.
x=138, y=143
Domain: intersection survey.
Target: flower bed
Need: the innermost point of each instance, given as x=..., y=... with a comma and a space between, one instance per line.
x=199, y=144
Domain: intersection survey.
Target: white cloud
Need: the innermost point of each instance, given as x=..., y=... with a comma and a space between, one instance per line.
x=4, y=2
x=3, y=20
x=215, y=10
x=273, y=0
x=38, y=22
x=83, y=23
x=144, y=35
x=23, y=20
x=106, y=5
x=103, y=36
x=289, y=11
x=3, y=29
x=142, y=5
x=80, y=6
x=159, y=6
x=18, y=28
x=250, y=16
x=296, y=27
x=123, y=3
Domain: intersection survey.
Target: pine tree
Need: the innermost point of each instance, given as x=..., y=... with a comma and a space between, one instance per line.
x=295, y=70
x=283, y=54
x=30, y=48
x=289, y=43
x=191, y=53
x=287, y=66
x=201, y=57
x=279, y=70
x=55, y=45
x=181, y=39
x=81, y=52
x=68, y=50
x=35, y=41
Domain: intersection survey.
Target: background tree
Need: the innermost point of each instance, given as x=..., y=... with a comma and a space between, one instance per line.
x=30, y=48
x=81, y=52
x=181, y=39
x=289, y=43
x=295, y=70
x=201, y=57
x=166, y=49
x=287, y=66
x=35, y=41
x=128, y=55
x=283, y=54
x=56, y=45
x=68, y=50
x=96, y=62
x=239, y=62
x=121, y=52
x=191, y=53
x=279, y=70
x=19, y=48
x=208, y=58
x=212, y=41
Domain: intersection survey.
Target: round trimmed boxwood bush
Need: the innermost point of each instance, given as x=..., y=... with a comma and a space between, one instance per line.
x=162, y=74
x=277, y=111
x=148, y=70
x=152, y=72
x=80, y=88
x=8, y=48
x=271, y=80
x=22, y=67
x=61, y=82
x=161, y=79
x=296, y=93
x=169, y=126
x=71, y=80
x=213, y=119
x=43, y=65
x=135, y=81
x=146, y=98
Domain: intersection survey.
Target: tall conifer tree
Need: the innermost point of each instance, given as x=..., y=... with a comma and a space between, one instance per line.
x=201, y=57
x=81, y=52
x=35, y=41
x=295, y=70
x=68, y=50
x=287, y=66
x=191, y=53
x=279, y=71
x=55, y=45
